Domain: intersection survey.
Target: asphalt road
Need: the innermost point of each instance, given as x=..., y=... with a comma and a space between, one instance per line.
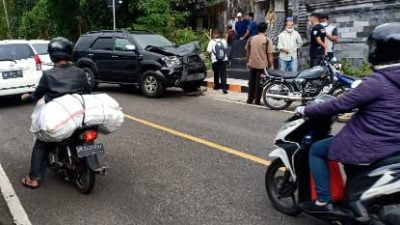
x=157, y=177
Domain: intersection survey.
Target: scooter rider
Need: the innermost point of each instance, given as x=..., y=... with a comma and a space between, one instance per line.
x=374, y=131
x=64, y=78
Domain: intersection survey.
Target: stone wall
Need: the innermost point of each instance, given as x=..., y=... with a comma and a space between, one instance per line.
x=355, y=20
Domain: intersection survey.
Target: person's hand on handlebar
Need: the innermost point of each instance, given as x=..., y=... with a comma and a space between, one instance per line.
x=300, y=110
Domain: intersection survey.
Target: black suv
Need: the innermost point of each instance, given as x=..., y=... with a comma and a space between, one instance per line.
x=139, y=58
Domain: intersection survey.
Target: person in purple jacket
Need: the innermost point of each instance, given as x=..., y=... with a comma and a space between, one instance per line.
x=374, y=131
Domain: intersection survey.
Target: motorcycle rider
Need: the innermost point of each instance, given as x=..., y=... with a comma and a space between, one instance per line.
x=64, y=78
x=373, y=132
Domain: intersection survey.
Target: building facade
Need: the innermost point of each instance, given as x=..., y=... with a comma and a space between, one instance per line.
x=355, y=19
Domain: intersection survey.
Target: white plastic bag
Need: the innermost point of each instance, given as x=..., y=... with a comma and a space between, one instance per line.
x=59, y=118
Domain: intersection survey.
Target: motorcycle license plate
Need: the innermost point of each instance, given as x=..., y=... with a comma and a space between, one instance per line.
x=88, y=150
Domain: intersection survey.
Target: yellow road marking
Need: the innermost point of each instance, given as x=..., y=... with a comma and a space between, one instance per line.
x=201, y=141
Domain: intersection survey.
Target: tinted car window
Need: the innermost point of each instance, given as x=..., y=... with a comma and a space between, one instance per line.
x=145, y=40
x=41, y=49
x=15, y=51
x=103, y=44
x=120, y=44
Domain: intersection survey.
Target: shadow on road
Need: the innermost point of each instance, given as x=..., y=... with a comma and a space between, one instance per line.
x=169, y=93
x=12, y=101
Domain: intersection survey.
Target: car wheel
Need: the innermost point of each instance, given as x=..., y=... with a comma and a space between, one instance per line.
x=151, y=85
x=90, y=77
x=190, y=87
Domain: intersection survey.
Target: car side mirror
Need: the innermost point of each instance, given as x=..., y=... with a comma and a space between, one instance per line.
x=130, y=47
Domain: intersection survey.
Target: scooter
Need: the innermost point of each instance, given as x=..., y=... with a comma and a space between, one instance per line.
x=370, y=195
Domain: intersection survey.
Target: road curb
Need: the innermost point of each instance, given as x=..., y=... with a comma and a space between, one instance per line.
x=231, y=87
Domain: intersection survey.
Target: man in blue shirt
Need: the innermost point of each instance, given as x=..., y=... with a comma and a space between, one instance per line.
x=241, y=26
x=251, y=28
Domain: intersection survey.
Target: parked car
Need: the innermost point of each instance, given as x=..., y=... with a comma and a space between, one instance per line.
x=20, y=67
x=140, y=58
x=40, y=47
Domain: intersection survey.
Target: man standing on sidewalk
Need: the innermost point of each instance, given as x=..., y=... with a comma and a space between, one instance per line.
x=288, y=44
x=259, y=56
x=318, y=48
x=218, y=51
x=252, y=27
x=241, y=26
x=331, y=34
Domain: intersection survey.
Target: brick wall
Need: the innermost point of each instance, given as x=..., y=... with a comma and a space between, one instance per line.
x=355, y=20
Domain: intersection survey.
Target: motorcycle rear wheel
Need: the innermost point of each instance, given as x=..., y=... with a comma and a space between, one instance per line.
x=271, y=184
x=276, y=104
x=83, y=177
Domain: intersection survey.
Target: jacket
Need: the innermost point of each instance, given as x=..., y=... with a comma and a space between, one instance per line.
x=374, y=131
x=61, y=80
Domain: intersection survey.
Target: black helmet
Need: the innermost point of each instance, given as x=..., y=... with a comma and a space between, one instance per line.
x=60, y=48
x=384, y=44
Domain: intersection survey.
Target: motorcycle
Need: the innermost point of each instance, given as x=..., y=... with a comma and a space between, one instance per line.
x=282, y=88
x=370, y=195
x=77, y=157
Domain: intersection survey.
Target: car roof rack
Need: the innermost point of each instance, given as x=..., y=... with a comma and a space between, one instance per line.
x=120, y=31
x=107, y=31
x=141, y=31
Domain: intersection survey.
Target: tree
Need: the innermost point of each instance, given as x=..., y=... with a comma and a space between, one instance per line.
x=160, y=15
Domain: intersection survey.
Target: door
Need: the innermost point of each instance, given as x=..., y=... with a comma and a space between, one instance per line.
x=125, y=61
x=100, y=52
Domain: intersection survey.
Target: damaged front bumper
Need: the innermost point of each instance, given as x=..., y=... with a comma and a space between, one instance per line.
x=192, y=69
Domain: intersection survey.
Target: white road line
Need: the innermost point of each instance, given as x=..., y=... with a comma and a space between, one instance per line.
x=14, y=205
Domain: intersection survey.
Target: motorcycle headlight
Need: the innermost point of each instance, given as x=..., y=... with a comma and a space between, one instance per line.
x=172, y=61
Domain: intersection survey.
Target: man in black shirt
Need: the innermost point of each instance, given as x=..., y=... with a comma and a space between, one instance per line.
x=318, y=48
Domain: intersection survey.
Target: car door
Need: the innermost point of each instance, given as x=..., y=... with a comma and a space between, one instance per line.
x=101, y=53
x=126, y=60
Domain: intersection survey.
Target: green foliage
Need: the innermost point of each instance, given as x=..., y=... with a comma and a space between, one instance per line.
x=160, y=16
x=362, y=71
x=186, y=35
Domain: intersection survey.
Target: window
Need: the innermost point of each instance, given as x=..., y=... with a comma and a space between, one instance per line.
x=15, y=52
x=41, y=49
x=103, y=44
x=145, y=40
x=120, y=44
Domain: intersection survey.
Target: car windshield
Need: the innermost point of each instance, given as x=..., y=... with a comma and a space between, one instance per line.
x=15, y=52
x=40, y=48
x=145, y=40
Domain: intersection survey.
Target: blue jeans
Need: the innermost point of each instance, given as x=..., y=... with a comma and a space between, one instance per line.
x=318, y=163
x=288, y=66
x=39, y=159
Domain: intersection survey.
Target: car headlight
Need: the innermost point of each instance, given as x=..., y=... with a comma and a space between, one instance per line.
x=172, y=61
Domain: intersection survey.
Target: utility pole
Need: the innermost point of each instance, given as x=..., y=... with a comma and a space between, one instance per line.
x=7, y=20
x=113, y=9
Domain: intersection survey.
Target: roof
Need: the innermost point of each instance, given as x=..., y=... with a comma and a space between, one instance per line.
x=14, y=41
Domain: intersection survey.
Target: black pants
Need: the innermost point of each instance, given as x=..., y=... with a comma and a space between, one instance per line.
x=330, y=55
x=315, y=61
x=39, y=159
x=255, y=89
x=219, y=69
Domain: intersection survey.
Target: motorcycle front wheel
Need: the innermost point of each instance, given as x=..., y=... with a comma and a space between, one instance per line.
x=83, y=177
x=276, y=88
x=281, y=191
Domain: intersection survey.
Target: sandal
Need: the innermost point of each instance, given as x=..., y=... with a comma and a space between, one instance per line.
x=27, y=182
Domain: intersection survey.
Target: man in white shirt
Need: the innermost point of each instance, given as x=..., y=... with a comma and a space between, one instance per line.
x=331, y=34
x=218, y=51
x=288, y=44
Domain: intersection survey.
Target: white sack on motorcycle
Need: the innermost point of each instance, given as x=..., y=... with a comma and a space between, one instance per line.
x=57, y=120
